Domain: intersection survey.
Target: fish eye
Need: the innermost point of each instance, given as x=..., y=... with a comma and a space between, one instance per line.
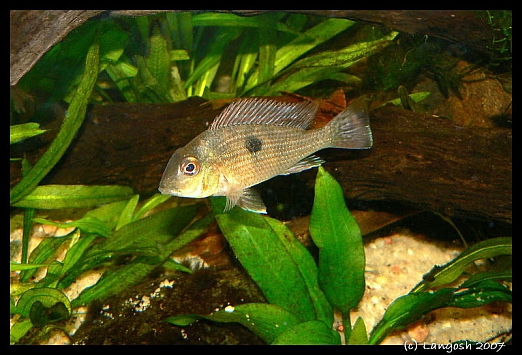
x=189, y=166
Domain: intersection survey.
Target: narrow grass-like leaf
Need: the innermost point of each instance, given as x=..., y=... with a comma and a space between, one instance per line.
x=72, y=122
x=411, y=307
x=164, y=231
x=158, y=60
x=407, y=309
x=322, y=65
x=267, y=321
x=23, y=131
x=151, y=203
x=42, y=254
x=308, y=40
x=214, y=53
x=86, y=224
x=19, y=329
x=338, y=237
x=72, y=196
x=309, y=333
x=150, y=231
x=481, y=293
x=128, y=212
x=17, y=266
x=448, y=273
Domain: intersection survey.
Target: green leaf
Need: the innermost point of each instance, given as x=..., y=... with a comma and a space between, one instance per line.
x=448, y=273
x=14, y=266
x=407, y=309
x=86, y=224
x=72, y=122
x=358, y=334
x=338, y=237
x=282, y=269
x=481, y=293
x=72, y=196
x=308, y=40
x=411, y=307
x=267, y=321
x=162, y=229
x=42, y=254
x=128, y=212
x=151, y=203
x=323, y=65
x=19, y=329
x=158, y=60
x=48, y=297
x=309, y=333
x=23, y=131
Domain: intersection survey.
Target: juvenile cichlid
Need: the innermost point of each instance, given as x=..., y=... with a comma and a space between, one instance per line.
x=253, y=140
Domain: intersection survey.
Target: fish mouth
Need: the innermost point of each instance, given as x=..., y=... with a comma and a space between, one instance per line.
x=166, y=191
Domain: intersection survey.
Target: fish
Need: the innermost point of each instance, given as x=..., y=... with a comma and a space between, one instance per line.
x=251, y=141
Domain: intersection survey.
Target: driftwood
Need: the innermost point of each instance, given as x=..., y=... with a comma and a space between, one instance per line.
x=426, y=162
x=34, y=32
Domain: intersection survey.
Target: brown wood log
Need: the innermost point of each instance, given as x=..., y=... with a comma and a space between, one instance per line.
x=34, y=32
x=426, y=162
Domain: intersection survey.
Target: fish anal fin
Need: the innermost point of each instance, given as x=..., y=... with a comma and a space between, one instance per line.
x=309, y=162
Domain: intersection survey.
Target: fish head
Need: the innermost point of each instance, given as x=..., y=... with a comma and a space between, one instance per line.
x=189, y=174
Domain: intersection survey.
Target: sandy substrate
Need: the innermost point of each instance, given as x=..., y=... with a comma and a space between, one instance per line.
x=395, y=264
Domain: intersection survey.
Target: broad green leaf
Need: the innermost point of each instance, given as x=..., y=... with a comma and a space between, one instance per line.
x=282, y=273
x=70, y=126
x=309, y=333
x=267, y=321
x=338, y=237
x=448, y=273
x=72, y=196
x=23, y=131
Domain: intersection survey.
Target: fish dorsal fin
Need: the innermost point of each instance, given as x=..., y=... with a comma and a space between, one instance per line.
x=266, y=111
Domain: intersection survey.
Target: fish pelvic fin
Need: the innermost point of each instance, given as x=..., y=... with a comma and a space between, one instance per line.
x=248, y=199
x=350, y=129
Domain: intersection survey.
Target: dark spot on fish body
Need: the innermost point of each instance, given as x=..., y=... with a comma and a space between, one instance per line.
x=253, y=144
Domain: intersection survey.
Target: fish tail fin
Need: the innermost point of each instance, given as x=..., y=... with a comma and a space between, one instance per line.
x=350, y=129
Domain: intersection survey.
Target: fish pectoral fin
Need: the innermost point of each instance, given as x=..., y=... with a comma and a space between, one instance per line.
x=309, y=162
x=250, y=200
